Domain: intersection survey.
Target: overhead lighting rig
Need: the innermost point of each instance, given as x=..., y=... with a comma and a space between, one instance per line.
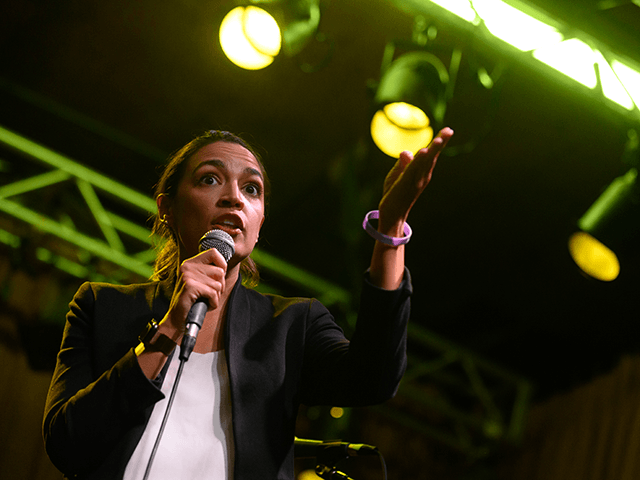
x=533, y=36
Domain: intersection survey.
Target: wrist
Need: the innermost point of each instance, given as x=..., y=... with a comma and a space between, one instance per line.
x=152, y=339
x=391, y=229
x=388, y=234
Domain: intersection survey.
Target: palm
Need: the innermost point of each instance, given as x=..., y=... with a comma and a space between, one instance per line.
x=408, y=178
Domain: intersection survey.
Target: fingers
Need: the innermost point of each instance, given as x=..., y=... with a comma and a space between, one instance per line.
x=446, y=133
x=428, y=154
x=405, y=158
x=210, y=257
x=202, y=282
x=402, y=191
x=397, y=170
x=420, y=167
x=203, y=276
x=200, y=277
x=438, y=143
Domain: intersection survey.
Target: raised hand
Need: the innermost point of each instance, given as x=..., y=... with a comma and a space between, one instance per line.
x=406, y=181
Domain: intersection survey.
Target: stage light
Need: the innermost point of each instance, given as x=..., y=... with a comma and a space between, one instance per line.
x=630, y=78
x=515, y=27
x=410, y=103
x=251, y=36
x=611, y=225
x=612, y=88
x=461, y=8
x=572, y=57
x=336, y=412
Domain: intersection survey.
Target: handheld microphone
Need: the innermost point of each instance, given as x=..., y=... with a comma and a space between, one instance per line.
x=222, y=242
x=303, y=448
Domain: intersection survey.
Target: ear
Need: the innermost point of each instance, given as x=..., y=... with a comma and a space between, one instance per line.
x=260, y=229
x=164, y=208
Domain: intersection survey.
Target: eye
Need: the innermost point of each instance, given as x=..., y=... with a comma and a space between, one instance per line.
x=209, y=179
x=253, y=189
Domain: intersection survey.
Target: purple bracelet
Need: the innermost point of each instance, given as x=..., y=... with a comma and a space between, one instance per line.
x=386, y=239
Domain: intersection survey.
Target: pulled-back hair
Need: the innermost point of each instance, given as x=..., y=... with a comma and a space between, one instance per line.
x=168, y=254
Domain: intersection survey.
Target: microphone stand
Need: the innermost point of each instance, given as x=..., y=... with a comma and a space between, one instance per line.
x=332, y=453
x=328, y=473
x=327, y=460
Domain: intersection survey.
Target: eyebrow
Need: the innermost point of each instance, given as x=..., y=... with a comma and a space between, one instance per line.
x=220, y=164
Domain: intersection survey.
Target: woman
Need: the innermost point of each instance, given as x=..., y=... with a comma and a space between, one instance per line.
x=257, y=357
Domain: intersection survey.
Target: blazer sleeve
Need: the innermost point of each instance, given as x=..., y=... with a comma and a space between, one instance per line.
x=366, y=370
x=88, y=412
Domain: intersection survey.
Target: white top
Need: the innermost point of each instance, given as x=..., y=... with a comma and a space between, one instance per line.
x=197, y=442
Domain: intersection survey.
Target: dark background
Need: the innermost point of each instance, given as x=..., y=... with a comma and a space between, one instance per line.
x=489, y=260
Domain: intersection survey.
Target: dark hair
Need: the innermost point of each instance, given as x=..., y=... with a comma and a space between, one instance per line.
x=167, y=256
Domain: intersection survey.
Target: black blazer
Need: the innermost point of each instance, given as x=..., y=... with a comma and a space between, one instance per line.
x=280, y=352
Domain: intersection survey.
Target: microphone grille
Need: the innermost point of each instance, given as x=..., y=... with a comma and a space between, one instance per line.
x=219, y=240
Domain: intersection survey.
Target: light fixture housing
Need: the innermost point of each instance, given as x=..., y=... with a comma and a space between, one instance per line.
x=254, y=32
x=609, y=227
x=410, y=103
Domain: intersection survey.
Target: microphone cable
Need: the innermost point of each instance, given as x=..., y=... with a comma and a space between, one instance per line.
x=383, y=465
x=174, y=389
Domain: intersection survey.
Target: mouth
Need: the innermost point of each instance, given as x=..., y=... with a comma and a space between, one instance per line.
x=232, y=224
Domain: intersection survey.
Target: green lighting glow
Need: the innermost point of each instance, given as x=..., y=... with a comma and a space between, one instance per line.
x=573, y=58
x=461, y=8
x=630, y=78
x=611, y=86
x=515, y=27
x=617, y=190
x=9, y=239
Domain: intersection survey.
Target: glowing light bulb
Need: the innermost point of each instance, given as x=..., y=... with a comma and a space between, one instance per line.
x=399, y=127
x=593, y=257
x=336, y=412
x=250, y=37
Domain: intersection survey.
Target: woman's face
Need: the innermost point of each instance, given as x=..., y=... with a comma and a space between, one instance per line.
x=222, y=187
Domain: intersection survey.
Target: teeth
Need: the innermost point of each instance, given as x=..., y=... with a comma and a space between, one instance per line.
x=228, y=222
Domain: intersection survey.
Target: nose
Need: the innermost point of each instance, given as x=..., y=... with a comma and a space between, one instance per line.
x=231, y=196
